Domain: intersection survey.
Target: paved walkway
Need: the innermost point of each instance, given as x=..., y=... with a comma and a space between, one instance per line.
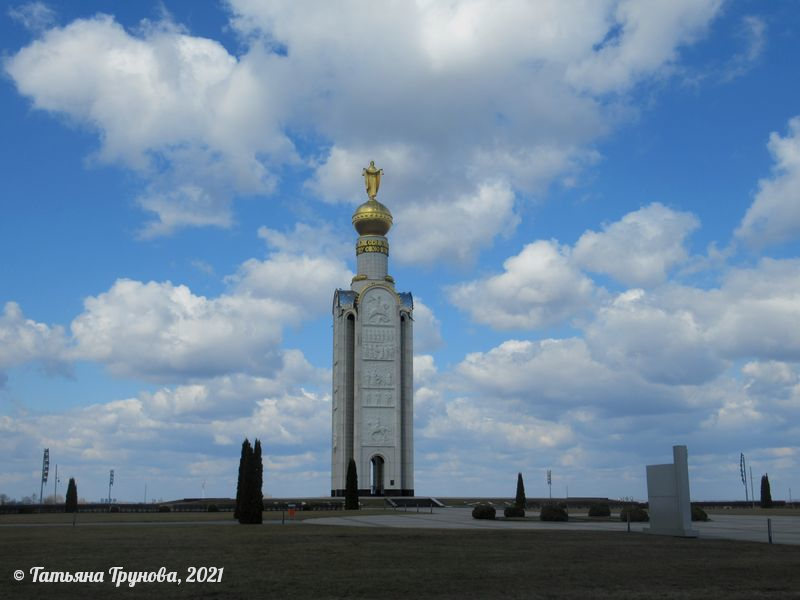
x=785, y=530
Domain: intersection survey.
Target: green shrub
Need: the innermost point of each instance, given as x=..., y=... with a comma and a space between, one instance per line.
x=599, y=510
x=483, y=511
x=114, y=509
x=71, y=501
x=513, y=511
x=164, y=508
x=519, y=500
x=553, y=512
x=213, y=508
x=698, y=514
x=766, y=493
x=638, y=514
x=351, y=487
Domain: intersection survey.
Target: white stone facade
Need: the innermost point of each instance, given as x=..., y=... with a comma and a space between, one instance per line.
x=372, y=408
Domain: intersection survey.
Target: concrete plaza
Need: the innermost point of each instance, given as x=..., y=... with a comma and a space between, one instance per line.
x=785, y=530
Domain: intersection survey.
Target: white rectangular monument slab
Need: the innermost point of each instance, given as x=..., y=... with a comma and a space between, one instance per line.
x=668, y=495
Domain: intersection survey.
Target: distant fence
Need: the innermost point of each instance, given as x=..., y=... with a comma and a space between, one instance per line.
x=117, y=507
x=740, y=504
x=185, y=505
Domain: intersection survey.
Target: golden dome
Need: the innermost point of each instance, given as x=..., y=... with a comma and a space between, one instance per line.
x=372, y=218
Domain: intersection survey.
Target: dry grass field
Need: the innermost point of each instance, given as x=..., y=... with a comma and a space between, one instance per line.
x=303, y=560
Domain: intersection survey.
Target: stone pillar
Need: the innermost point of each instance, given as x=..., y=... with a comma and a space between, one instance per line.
x=668, y=496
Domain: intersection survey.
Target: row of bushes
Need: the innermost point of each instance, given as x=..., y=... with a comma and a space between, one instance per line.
x=549, y=512
x=558, y=512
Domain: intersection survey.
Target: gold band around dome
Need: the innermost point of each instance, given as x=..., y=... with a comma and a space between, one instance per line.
x=372, y=245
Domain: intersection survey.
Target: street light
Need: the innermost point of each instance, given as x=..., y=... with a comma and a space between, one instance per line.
x=743, y=473
x=45, y=471
x=110, y=483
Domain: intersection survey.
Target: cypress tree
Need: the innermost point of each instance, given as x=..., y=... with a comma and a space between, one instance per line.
x=251, y=500
x=71, y=504
x=257, y=477
x=351, y=487
x=242, y=476
x=766, y=493
x=520, y=501
x=247, y=485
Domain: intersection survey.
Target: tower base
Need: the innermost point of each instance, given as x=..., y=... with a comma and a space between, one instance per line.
x=368, y=492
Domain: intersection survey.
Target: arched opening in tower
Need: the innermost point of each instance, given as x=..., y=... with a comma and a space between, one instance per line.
x=376, y=475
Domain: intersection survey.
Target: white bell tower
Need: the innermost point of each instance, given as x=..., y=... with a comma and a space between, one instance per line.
x=373, y=404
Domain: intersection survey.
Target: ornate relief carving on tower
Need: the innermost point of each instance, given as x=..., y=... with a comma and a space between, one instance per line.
x=377, y=343
x=383, y=398
x=379, y=309
x=380, y=335
x=377, y=375
x=378, y=430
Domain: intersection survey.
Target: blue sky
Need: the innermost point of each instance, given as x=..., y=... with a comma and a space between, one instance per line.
x=596, y=207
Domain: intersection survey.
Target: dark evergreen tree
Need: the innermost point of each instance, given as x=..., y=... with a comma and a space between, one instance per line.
x=766, y=493
x=351, y=487
x=251, y=500
x=257, y=476
x=520, y=501
x=242, y=461
x=72, y=496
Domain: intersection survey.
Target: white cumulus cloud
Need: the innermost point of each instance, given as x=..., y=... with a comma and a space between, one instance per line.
x=197, y=123
x=303, y=269
x=538, y=287
x=639, y=249
x=480, y=94
x=662, y=345
x=24, y=340
x=774, y=216
x=161, y=331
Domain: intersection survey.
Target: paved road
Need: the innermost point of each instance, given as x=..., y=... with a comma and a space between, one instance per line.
x=785, y=530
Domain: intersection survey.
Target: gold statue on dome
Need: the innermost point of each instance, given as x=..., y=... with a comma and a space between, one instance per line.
x=372, y=179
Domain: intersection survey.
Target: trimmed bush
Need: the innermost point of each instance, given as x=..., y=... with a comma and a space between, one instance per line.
x=698, y=514
x=599, y=510
x=71, y=503
x=638, y=514
x=213, y=508
x=519, y=500
x=513, y=512
x=483, y=511
x=553, y=512
x=164, y=508
x=351, y=487
x=114, y=509
x=766, y=493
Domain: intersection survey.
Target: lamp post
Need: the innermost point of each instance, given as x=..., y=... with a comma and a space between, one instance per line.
x=45, y=471
x=110, y=483
x=550, y=482
x=743, y=473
